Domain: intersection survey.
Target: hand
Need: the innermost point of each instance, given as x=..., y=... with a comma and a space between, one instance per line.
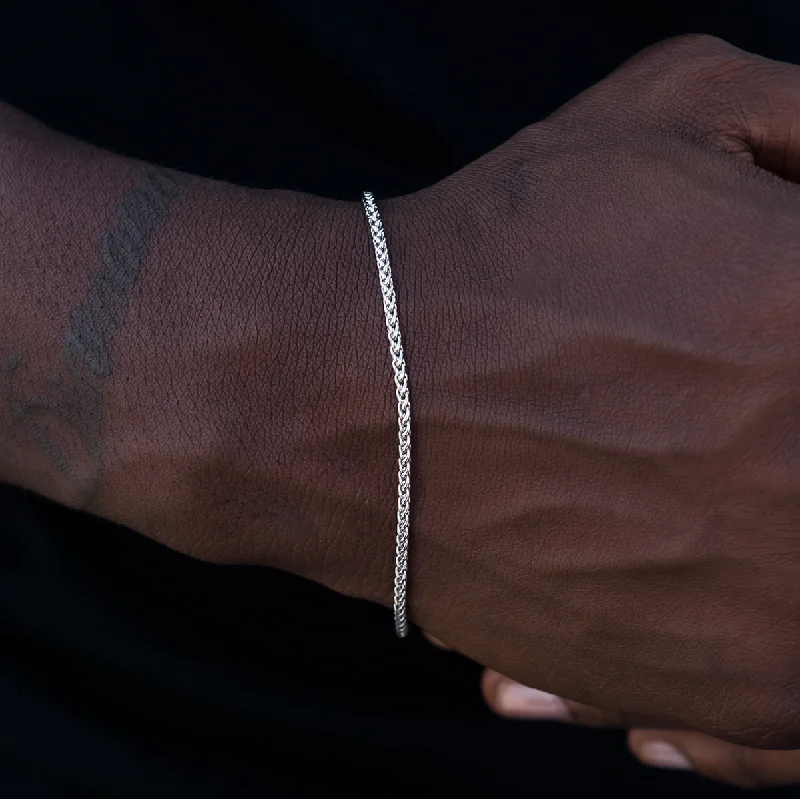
x=603, y=318
x=602, y=321
x=672, y=749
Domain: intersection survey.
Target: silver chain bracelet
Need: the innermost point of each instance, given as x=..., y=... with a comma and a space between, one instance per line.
x=403, y=413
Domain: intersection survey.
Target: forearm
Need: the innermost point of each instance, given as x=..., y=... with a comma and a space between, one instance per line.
x=70, y=267
x=172, y=344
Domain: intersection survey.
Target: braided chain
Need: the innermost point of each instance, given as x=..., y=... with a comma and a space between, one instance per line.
x=403, y=413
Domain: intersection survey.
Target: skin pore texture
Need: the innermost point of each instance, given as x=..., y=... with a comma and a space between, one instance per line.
x=63, y=416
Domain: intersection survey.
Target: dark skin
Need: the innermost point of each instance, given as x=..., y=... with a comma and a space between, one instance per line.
x=601, y=319
x=742, y=766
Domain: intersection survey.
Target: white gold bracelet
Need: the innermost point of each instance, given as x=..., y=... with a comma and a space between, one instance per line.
x=403, y=413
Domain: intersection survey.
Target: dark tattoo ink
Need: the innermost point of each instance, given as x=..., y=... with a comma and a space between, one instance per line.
x=63, y=416
x=94, y=322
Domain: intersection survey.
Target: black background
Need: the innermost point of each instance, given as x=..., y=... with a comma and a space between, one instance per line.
x=127, y=670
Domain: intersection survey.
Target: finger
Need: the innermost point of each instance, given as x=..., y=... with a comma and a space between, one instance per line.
x=766, y=120
x=514, y=700
x=511, y=699
x=436, y=642
x=719, y=760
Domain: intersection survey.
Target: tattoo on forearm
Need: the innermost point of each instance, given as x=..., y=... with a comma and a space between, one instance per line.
x=63, y=417
x=94, y=322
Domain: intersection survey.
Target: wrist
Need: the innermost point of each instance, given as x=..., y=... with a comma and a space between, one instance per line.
x=264, y=429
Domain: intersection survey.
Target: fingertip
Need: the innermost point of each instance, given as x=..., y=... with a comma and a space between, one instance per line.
x=514, y=700
x=719, y=760
x=662, y=754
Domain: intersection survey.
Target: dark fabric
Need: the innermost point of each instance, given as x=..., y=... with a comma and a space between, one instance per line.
x=127, y=670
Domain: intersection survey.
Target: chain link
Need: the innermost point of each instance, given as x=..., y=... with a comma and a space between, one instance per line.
x=403, y=414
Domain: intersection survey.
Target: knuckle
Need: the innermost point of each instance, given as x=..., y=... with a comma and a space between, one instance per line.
x=705, y=75
x=677, y=78
x=698, y=70
x=685, y=57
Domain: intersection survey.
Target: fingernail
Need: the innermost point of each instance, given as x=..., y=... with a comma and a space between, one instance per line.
x=523, y=702
x=663, y=755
